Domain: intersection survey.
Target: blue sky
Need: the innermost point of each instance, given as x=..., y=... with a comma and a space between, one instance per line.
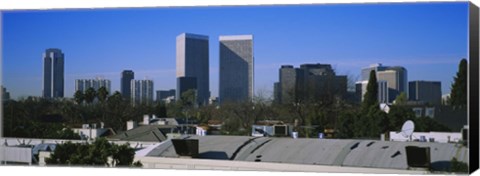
x=428, y=39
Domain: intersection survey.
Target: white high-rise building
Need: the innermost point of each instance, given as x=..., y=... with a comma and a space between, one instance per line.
x=84, y=84
x=142, y=91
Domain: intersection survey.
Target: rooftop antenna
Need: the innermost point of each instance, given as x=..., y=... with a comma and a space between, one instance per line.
x=407, y=129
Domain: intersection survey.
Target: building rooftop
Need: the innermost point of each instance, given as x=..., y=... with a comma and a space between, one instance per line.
x=331, y=152
x=235, y=37
x=193, y=36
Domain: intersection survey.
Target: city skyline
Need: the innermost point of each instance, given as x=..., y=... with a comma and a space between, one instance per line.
x=429, y=47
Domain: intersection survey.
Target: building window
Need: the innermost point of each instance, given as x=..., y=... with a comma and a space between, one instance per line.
x=418, y=112
x=430, y=112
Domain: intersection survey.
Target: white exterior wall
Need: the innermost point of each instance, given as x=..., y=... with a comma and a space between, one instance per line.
x=441, y=137
x=208, y=164
x=16, y=154
x=90, y=133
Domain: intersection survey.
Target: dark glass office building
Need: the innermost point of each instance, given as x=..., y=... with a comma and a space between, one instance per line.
x=125, y=83
x=53, y=73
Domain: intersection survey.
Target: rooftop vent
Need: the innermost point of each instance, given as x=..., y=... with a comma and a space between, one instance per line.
x=186, y=147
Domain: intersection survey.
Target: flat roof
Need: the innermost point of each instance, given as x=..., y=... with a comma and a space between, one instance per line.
x=332, y=152
x=235, y=37
x=193, y=36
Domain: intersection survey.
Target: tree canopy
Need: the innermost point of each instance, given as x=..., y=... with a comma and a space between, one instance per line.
x=93, y=154
x=458, y=96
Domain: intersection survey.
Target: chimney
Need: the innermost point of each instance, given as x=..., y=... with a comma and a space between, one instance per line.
x=146, y=119
x=102, y=125
x=131, y=124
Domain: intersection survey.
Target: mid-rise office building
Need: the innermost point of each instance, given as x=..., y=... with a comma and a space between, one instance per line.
x=142, y=91
x=163, y=94
x=397, y=81
x=236, y=68
x=192, y=57
x=84, y=84
x=310, y=82
x=125, y=83
x=395, y=77
x=53, y=73
x=287, y=83
x=425, y=91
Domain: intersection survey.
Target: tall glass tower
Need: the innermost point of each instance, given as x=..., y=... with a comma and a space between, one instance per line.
x=192, y=61
x=53, y=73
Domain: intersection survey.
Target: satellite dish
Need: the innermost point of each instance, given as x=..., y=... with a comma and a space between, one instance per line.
x=407, y=129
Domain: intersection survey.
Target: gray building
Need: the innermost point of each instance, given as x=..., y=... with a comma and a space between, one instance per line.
x=84, y=84
x=425, y=91
x=276, y=92
x=287, y=83
x=395, y=77
x=310, y=82
x=53, y=73
x=192, y=61
x=142, y=91
x=163, y=94
x=376, y=67
x=125, y=83
x=184, y=84
x=236, y=68
x=5, y=94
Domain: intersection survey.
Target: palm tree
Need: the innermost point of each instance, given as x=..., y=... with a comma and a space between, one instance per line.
x=102, y=94
x=90, y=95
x=79, y=96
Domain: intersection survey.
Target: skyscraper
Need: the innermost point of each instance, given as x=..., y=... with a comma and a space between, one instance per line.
x=53, y=73
x=192, y=61
x=84, y=84
x=125, y=83
x=142, y=91
x=425, y=91
x=236, y=68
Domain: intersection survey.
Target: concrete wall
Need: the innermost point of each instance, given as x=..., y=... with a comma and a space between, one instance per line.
x=207, y=164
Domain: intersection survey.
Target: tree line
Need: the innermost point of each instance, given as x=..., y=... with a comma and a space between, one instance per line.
x=23, y=118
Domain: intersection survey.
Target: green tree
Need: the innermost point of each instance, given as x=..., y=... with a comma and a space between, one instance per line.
x=102, y=94
x=401, y=99
x=398, y=115
x=458, y=96
x=371, y=96
x=345, y=125
x=79, y=97
x=90, y=95
x=160, y=110
x=96, y=154
x=458, y=166
x=123, y=155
